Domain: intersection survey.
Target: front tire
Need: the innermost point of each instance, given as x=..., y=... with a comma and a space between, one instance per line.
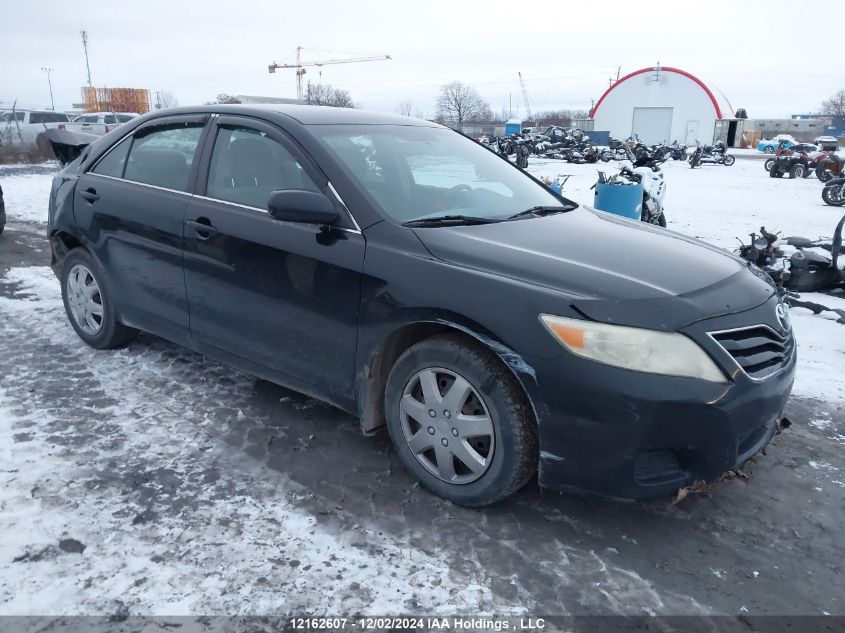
x=728, y=160
x=769, y=150
x=768, y=164
x=831, y=198
x=796, y=171
x=822, y=173
x=88, y=303
x=459, y=422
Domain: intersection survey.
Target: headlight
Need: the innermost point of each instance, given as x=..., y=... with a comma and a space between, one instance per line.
x=638, y=349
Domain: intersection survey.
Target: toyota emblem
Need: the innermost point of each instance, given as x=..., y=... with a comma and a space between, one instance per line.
x=783, y=316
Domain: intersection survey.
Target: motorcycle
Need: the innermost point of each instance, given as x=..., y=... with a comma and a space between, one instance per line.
x=522, y=151
x=834, y=192
x=716, y=154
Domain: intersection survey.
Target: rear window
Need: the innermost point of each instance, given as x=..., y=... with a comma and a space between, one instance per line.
x=48, y=117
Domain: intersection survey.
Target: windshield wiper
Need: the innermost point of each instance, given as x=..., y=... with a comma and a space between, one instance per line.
x=540, y=210
x=447, y=220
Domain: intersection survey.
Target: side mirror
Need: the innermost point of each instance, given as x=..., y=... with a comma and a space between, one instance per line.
x=295, y=205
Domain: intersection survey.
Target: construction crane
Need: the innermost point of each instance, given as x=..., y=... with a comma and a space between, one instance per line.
x=525, y=97
x=300, y=66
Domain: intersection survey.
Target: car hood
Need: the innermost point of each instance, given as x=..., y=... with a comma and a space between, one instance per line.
x=608, y=268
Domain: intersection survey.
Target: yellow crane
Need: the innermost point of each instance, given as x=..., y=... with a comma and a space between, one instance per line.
x=300, y=66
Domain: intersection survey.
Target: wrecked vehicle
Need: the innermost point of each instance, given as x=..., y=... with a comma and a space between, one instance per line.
x=403, y=273
x=2, y=212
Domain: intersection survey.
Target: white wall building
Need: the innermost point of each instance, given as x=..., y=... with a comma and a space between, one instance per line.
x=662, y=104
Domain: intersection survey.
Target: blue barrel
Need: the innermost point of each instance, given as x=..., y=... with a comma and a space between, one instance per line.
x=624, y=200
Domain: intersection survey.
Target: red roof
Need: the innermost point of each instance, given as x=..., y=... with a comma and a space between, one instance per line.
x=719, y=114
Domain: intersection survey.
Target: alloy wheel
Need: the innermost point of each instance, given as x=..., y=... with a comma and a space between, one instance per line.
x=85, y=299
x=447, y=426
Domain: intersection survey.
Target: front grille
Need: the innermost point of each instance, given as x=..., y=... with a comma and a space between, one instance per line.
x=759, y=350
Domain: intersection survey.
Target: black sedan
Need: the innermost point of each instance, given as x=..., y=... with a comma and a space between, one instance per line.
x=407, y=275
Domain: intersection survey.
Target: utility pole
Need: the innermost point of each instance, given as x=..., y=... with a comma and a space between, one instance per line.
x=50, y=84
x=85, y=47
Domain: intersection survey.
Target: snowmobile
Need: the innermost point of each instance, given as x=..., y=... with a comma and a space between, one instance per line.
x=677, y=152
x=716, y=154
x=616, y=150
x=805, y=270
x=654, y=188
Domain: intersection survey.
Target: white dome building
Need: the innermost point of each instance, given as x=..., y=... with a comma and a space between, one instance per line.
x=661, y=104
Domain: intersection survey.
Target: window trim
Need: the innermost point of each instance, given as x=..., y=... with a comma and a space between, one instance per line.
x=162, y=121
x=347, y=221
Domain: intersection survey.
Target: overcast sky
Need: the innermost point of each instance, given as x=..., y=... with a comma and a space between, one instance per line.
x=767, y=56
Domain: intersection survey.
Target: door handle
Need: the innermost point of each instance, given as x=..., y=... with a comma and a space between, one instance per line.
x=90, y=194
x=203, y=228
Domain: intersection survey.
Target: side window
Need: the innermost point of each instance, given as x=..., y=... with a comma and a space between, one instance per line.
x=110, y=119
x=162, y=156
x=112, y=163
x=247, y=165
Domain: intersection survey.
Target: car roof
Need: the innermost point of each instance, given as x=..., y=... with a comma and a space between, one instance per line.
x=307, y=114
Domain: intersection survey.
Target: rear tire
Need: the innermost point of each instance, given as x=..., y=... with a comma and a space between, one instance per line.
x=768, y=164
x=831, y=199
x=500, y=459
x=769, y=150
x=88, y=303
x=796, y=171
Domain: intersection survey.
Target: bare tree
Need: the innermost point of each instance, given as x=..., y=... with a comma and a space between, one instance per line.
x=223, y=98
x=562, y=118
x=325, y=94
x=165, y=99
x=835, y=105
x=405, y=107
x=459, y=104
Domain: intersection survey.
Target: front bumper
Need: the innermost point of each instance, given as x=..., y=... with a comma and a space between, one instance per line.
x=631, y=435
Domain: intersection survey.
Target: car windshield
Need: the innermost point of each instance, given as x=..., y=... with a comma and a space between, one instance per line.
x=415, y=173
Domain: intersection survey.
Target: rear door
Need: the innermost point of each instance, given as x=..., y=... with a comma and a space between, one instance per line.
x=280, y=294
x=132, y=204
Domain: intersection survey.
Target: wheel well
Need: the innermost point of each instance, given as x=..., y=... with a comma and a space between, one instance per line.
x=62, y=243
x=371, y=407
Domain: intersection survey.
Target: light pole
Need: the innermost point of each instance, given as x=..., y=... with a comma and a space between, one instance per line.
x=50, y=84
